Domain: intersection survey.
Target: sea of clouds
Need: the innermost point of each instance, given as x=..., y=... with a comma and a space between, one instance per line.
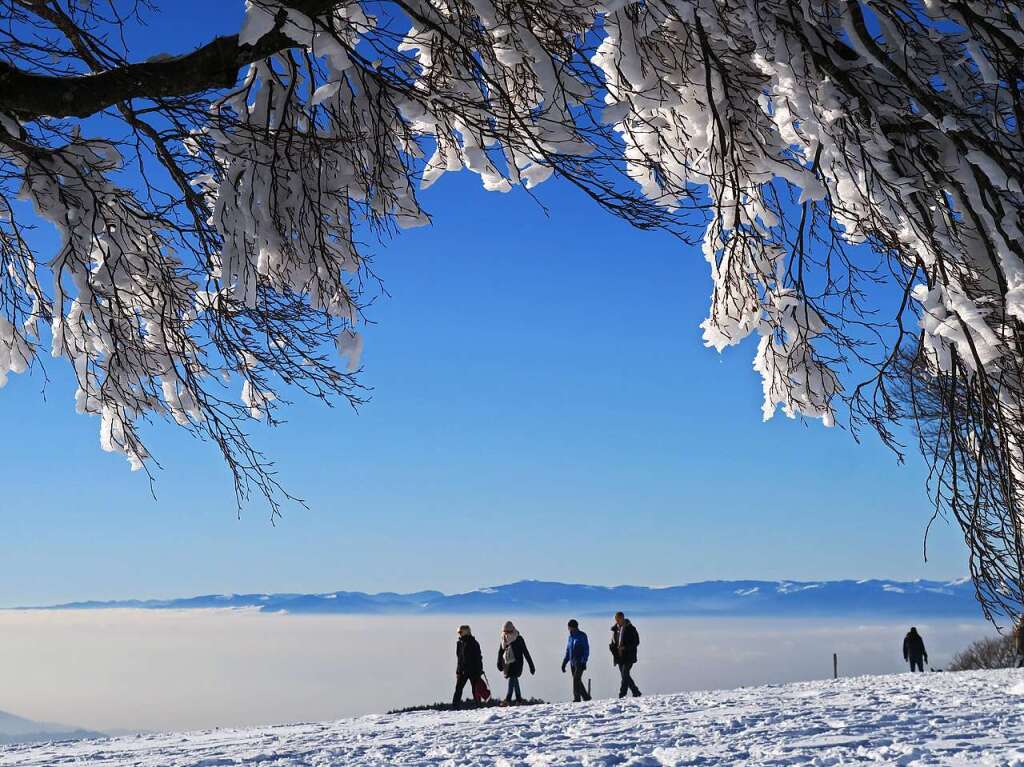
x=177, y=669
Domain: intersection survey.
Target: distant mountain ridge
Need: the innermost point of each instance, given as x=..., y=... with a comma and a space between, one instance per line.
x=706, y=598
x=17, y=729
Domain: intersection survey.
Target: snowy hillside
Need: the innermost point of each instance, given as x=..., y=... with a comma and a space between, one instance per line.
x=974, y=718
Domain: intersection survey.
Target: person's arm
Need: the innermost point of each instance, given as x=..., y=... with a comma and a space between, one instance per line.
x=586, y=649
x=568, y=653
x=501, y=659
x=906, y=653
x=529, y=660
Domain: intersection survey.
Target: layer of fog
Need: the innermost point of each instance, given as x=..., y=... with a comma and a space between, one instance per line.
x=151, y=670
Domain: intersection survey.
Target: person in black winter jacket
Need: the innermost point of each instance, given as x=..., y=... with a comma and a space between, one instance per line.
x=470, y=666
x=625, y=640
x=512, y=652
x=913, y=650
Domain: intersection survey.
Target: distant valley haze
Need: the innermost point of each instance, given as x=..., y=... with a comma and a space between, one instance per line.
x=180, y=669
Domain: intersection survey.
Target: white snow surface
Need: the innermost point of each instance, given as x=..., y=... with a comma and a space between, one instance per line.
x=970, y=718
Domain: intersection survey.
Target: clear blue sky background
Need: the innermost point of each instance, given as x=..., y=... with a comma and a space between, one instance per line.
x=542, y=407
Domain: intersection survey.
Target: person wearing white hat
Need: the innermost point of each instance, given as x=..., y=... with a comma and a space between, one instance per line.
x=512, y=652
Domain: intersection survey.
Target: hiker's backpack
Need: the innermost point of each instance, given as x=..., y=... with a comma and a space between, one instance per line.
x=481, y=692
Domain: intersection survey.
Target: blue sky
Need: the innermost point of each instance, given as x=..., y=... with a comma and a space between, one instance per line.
x=542, y=407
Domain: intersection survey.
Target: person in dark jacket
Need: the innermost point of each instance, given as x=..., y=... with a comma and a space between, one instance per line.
x=512, y=651
x=913, y=650
x=577, y=653
x=625, y=640
x=470, y=666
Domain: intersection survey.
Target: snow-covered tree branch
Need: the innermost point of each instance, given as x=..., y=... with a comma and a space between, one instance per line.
x=852, y=170
x=30, y=94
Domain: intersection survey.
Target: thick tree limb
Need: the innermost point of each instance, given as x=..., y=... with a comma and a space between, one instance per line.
x=215, y=65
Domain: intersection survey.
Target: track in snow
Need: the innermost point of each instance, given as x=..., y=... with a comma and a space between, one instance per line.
x=973, y=718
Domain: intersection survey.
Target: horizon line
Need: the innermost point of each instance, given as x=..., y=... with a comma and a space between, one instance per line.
x=142, y=601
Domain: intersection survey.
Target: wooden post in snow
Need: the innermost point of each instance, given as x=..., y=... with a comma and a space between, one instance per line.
x=835, y=665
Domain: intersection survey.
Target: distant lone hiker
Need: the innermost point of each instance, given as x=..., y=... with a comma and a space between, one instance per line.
x=625, y=640
x=512, y=652
x=470, y=667
x=913, y=650
x=577, y=653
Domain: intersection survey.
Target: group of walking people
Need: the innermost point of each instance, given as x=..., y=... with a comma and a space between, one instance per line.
x=514, y=657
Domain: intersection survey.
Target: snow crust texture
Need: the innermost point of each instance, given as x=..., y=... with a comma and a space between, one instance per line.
x=972, y=718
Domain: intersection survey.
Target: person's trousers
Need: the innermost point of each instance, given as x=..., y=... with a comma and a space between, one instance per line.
x=627, y=681
x=460, y=685
x=579, y=690
x=513, y=687
x=916, y=664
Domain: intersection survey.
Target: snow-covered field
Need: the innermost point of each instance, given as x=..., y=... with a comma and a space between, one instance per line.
x=974, y=718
